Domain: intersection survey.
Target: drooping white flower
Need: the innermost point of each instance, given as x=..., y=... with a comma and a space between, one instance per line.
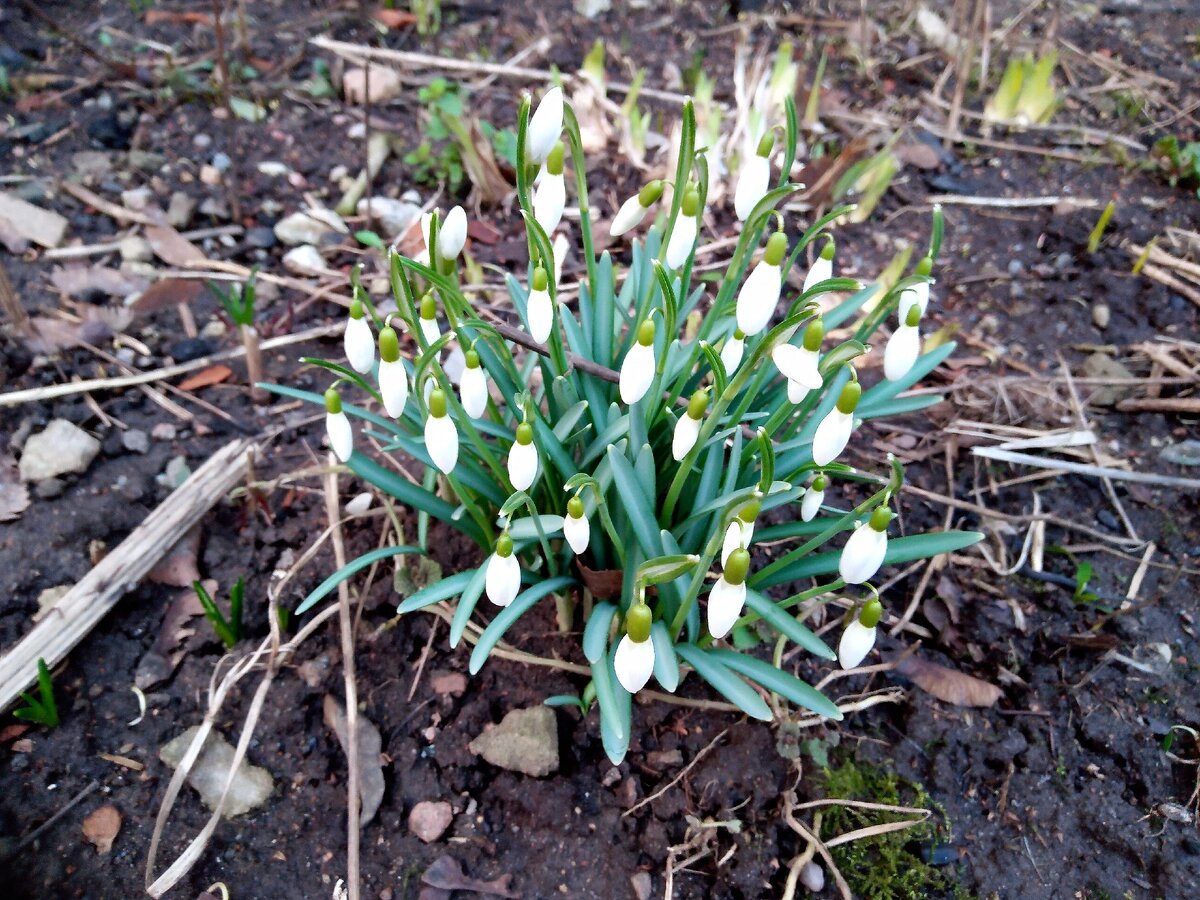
x=453, y=363
x=441, y=437
x=903, y=347
x=428, y=319
x=550, y=197
x=634, y=659
x=728, y=595
x=426, y=225
x=393, y=379
x=358, y=342
x=759, y=295
x=539, y=308
x=472, y=387
x=754, y=179
x=822, y=267
x=634, y=210
x=859, y=636
x=637, y=371
x=732, y=350
x=523, y=458
x=687, y=428
x=502, y=579
x=864, y=551
x=740, y=532
x=918, y=294
x=687, y=227
x=800, y=365
x=452, y=236
x=545, y=126
x=576, y=528
x=561, y=248
x=337, y=426
x=833, y=434
x=814, y=496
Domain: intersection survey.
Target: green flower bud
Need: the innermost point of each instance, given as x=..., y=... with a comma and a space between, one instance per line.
x=698, y=404
x=428, y=307
x=738, y=334
x=554, y=162
x=820, y=483
x=504, y=545
x=691, y=201
x=827, y=250
x=872, y=612
x=638, y=621
x=750, y=511
x=650, y=193
x=766, y=143
x=776, y=249
x=925, y=266
x=356, y=309
x=848, y=401
x=333, y=401
x=539, y=280
x=881, y=517
x=814, y=334
x=437, y=403
x=389, y=344
x=575, y=508
x=472, y=359
x=645, y=335
x=524, y=434
x=914, y=316
x=737, y=567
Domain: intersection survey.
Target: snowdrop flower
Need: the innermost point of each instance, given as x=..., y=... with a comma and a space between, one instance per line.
x=637, y=371
x=728, y=595
x=452, y=236
x=687, y=226
x=859, y=636
x=833, y=434
x=732, y=350
x=918, y=294
x=428, y=319
x=799, y=365
x=426, y=223
x=502, y=579
x=472, y=387
x=561, y=248
x=687, y=429
x=814, y=496
x=903, y=347
x=754, y=179
x=393, y=379
x=634, y=659
x=634, y=210
x=441, y=437
x=741, y=530
x=551, y=194
x=759, y=295
x=523, y=458
x=539, y=308
x=863, y=554
x=822, y=267
x=358, y=341
x=576, y=528
x=545, y=126
x=337, y=426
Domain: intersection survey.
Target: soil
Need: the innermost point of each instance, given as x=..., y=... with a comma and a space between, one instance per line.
x=1058, y=790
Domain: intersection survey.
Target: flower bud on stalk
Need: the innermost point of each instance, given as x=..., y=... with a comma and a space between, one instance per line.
x=864, y=552
x=732, y=350
x=551, y=194
x=545, y=126
x=800, y=365
x=502, y=579
x=903, y=347
x=687, y=226
x=539, y=308
x=358, y=342
x=452, y=236
x=759, y=295
x=637, y=371
x=393, y=379
x=634, y=659
x=754, y=178
x=634, y=210
x=728, y=595
x=822, y=267
x=472, y=387
x=687, y=429
x=441, y=437
x=741, y=530
x=576, y=528
x=814, y=496
x=833, y=434
x=523, y=458
x=428, y=319
x=337, y=426
x=918, y=294
x=859, y=636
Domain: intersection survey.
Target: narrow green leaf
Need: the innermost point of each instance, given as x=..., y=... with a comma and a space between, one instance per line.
x=666, y=568
x=507, y=616
x=783, y=683
x=616, y=712
x=725, y=682
x=666, y=664
x=786, y=624
x=355, y=565
x=439, y=590
x=466, y=605
x=408, y=493
x=595, y=633
x=636, y=503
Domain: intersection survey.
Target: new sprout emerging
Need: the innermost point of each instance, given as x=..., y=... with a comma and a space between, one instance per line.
x=337, y=426
x=833, y=434
x=903, y=347
x=822, y=267
x=551, y=194
x=502, y=580
x=759, y=295
x=637, y=371
x=452, y=236
x=634, y=659
x=545, y=126
x=859, y=636
x=358, y=341
x=576, y=528
x=754, y=179
x=741, y=530
x=539, y=308
x=732, y=350
x=814, y=496
x=687, y=226
x=799, y=365
x=634, y=210
x=472, y=387
x=441, y=437
x=428, y=319
x=523, y=458
x=393, y=379
x=728, y=595
x=687, y=429
x=863, y=554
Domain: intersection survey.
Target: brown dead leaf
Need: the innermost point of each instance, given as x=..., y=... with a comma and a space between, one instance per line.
x=98, y=324
x=14, y=495
x=160, y=661
x=101, y=827
x=603, y=583
x=948, y=685
x=394, y=18
x=206, y=378
x=485, y=233
x=446, y=874
x=490, y=185
x=178, y=568
x=370, y=747
x=172, y=247
x=180, y=17
x=85, y=282
x=12, y=732
x=168, y=293
x=919, y=154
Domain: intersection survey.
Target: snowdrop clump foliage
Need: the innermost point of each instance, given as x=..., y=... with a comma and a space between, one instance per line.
x=667, y=460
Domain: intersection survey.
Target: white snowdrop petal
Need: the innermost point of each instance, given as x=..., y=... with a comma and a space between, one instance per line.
x=429, y=328
x=902, y=350
x=540, y=311
x=578, y=533
x=753, y=181
x=359, y=345
x=758, y=298
x=796, y=391
x=857, y=641
x=360, y=504
x=522, y=465
x=393, y=387
x=731, y=354
x=798, y=364
x=561, y=248
x=738, y=534
x=453, y=364
x=725, y=602
x=502, y=580
x=687, y=430
x=821, y=270
x=453, y=234
x=634, y=663
x=545, y=126
x=917, y=295
x=473, y=392
x=628, y=217
x=549, y=200
x=683, y=238
x=863, y=554
x=811, y=504
x=833, y=434
x=637, y=372
x=340, y=434
x=441, y=442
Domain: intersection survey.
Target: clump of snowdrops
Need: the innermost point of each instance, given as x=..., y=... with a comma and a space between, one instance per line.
x=624, y=450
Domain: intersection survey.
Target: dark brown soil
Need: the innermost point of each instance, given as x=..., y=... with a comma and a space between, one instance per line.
x=1054, y=792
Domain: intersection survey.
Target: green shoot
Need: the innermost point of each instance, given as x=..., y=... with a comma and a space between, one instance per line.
x=228, y=630
x=1098, y=232
x=41, y=710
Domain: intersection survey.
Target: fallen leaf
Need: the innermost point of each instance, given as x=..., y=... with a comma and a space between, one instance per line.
x=97, y=325
x=919, y=154
x=86, y=282
x=172, y=247
x=167, y=294
x=14, y=495
x=160, y=661
x=206, y=378
x=370, y=746
x=12, y=732
x=485, y=233
x=180, y=17
x=948, y=685
x=394, y=18
x=32, y=222
x=178, y=568
x=101, y=827
x=446, y=874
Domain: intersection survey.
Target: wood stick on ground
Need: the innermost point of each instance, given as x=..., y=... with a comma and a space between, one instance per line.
x=1161, y=404
x=100, y=589
x=1028, y=459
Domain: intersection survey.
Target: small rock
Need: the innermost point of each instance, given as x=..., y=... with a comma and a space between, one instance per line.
x=175, y=474
x=642, y=885
x=359, y=504
x=395, y=217
x=91, y=164
x=210, y=175
x=589, y=9
x=214, y=330
x=48, y=599
x=452, y=683
x=163, y=431
x=49, y=488
x=261, y=237
x=221, y=162
x=309, y=227
x=202, y=142
x=1101, y=365
x=135, y=441
x=1101, y=314
x=137, y=199
x=189, y=349
x=274, y=169
x=526, y=740
x=136, y=249
x=812, y=876
x=304, y=260
x=146, y=161
x=211, y=206
x=180, y=209
x=384, y=84
x=61, y=449
x=1185, y=453
x=429, y=819
x=251, y=784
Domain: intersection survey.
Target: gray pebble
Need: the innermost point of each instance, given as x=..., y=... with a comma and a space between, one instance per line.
x=135, y=441
x=49, y=488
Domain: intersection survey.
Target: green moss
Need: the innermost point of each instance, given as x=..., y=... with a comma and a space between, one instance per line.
x=886, y=867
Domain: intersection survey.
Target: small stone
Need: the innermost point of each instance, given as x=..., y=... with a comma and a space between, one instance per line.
x=201, y=142
x=61, y=449
x=146, y=161
x=163, y=431
x=136, y=199
x=642, y=885
x=309, y=227
x=175, y=474
x=1100, y=365
x=304, y=260
x=429, y=819
x=395, y=217
x=135, y=441
x=211, y=206
x=526, y=741
x=180, y=209
x=453, y=684
x=1101, y=314
x=136, y=249
x=210, y=175
x=812, y=876
x=189, y=349
x=383, y=85
x=49, y=488
x=274, y=169
x=589, y=9
x=261, y=237
x=1185, y=453
x=91, y=164
x=221, y=162
x=214, y=330
x=251, y=785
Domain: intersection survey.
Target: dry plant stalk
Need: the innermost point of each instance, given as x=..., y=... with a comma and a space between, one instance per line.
x=254, y=365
